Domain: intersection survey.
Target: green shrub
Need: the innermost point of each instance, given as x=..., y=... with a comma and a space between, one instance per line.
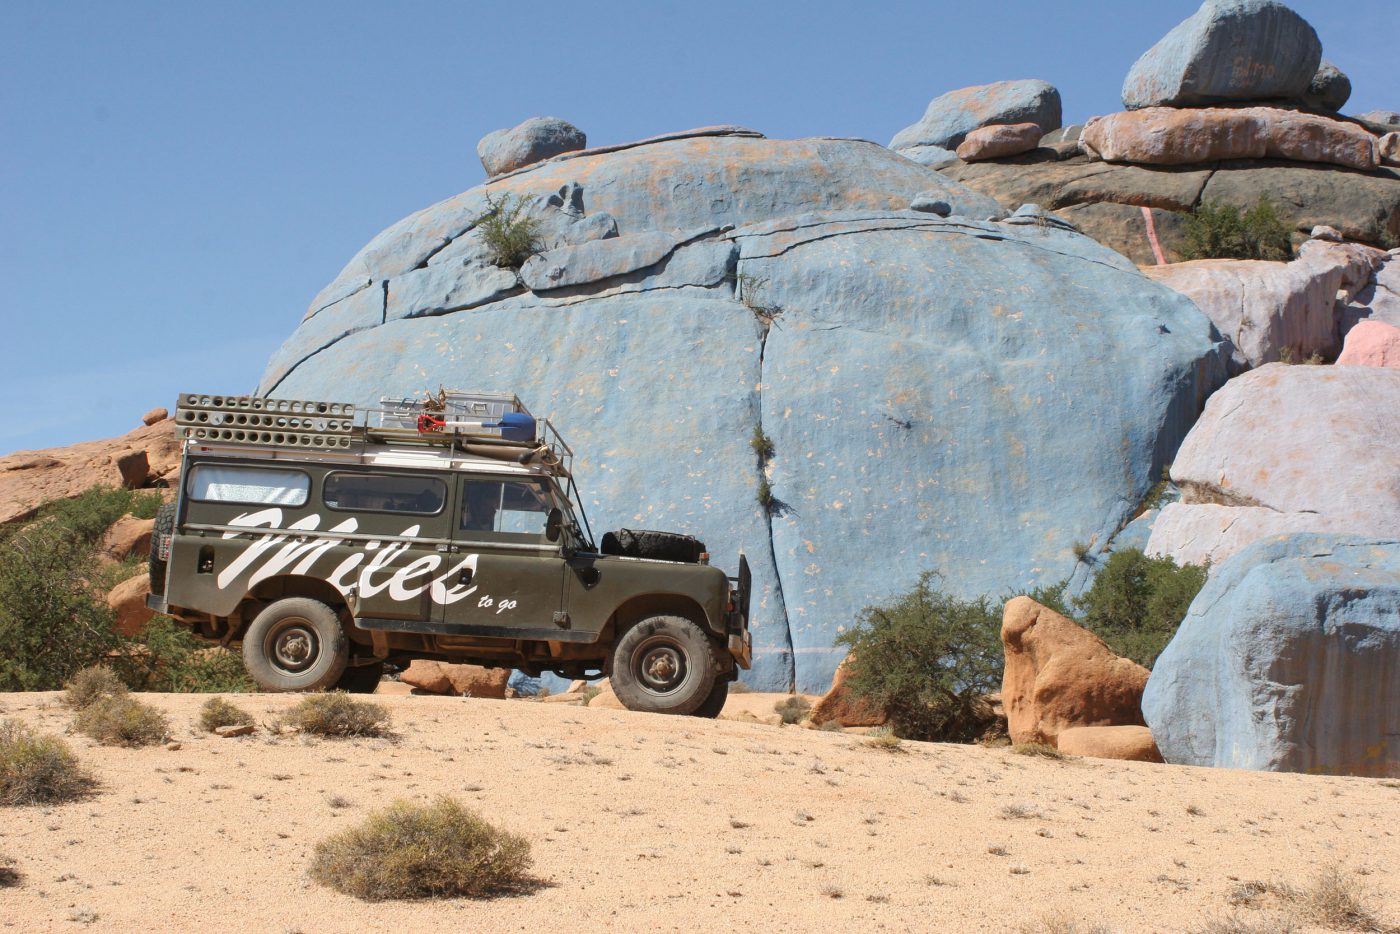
x=1136, y=603
x=510, y=235
x=927, y=659
x=438, y=850
x=37, y=769
x=793, y=709
x=122, y=720
x=167, y=658
x=762, y=445
x=92, y=684
x=885, y=740
x=52, y=623
x=93, y=511
x=218, y=712
x=338, y=714
x=1220, y=231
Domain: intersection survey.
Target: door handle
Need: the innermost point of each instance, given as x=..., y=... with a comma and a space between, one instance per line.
x=465, y=577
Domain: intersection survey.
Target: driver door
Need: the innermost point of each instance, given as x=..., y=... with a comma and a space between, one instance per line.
x=507, y=577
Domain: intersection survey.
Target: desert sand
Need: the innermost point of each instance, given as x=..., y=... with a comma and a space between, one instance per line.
x=652, y=823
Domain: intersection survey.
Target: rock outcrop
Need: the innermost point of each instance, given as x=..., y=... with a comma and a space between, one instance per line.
x=1371, y=343
x=1228, y=50
x=950, y=117
x=148, y=455
x=535, y=140
x=840, y=704
x=1130, y=743
x=916, y=385
x=995, y=142
x=456, y=680
x=1059, y=675
x=1286, y=449
x=1287, y=662
x=128, y=536
x=128, y=601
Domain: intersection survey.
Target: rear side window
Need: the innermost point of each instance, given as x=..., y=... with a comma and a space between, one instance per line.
x=250, y=486
x=382, y=492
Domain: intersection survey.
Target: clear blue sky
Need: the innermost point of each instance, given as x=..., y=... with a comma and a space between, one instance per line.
x=179, y=179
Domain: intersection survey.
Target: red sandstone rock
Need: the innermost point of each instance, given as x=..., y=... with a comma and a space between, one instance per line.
x=995, y=142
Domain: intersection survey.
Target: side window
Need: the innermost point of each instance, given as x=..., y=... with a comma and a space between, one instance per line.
x=515, y=508
x=377, y=492
x=249, y=486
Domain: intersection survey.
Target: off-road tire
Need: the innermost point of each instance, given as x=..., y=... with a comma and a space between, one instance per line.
x=712, y=705
x=164, y=528
x=296, y=644
x=360, y=680
x=664, y=664
x=659, y=546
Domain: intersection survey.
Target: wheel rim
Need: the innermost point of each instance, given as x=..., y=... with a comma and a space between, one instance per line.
x=292, y=645
x=659, y=666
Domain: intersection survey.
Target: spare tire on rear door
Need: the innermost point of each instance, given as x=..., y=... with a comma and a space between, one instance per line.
x=160, y=546
x=659, y=546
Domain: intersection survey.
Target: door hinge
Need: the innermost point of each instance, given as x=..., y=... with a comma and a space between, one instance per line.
x=561, y=620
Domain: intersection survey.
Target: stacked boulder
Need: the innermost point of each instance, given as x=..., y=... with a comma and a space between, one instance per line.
x=988, y=121
x=1234, y=104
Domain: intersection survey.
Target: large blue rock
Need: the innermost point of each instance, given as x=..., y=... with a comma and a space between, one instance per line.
x=942, y=392
x=535, y=140
x=950, y=117
x=1228, y=50
x=1288, y=661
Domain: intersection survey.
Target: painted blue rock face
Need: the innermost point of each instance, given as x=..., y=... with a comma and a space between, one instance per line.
x=1228, y=50
x=1288, y=661
x=938, y=389
x=950, y=117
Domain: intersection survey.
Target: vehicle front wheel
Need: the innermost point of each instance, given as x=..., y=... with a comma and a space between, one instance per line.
x=711, y=706
x=296, y=644
x=664, y=664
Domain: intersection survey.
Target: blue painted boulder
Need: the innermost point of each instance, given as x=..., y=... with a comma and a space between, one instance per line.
x=1228, y=50
x=1330, y=88
x=950, y=117
x=942, y=392
x=535, y=140
x=1288, y=661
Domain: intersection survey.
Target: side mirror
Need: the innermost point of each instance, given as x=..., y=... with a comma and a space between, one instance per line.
x=554, y=525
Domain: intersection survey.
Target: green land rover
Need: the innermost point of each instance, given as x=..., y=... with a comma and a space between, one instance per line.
x=450, y=529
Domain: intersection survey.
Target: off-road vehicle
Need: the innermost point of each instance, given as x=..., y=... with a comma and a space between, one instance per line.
x=326, y=547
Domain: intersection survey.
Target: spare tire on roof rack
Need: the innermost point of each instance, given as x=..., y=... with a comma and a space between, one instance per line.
x=658, y=546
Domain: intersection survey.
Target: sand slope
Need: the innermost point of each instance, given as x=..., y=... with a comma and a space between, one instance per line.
x=648, y=823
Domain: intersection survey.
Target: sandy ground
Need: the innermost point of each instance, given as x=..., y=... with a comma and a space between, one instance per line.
x=650, y=823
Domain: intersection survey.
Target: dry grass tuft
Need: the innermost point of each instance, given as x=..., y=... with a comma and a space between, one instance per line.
x=793, y=709
x=1038, y=749
x=37, y=769
x=91, y=685
x=438, y=850
x=1020, y=812
x=338, y=714
x=121, y=720
x=884, y=740
x=1333, y=899
x=1062, y=924
x=218, y=712
x=1234, y=924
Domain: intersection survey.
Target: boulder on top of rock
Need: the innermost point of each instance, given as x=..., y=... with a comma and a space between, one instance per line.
x=1169, y=136
x=1388, y=148
x=950, y=117
x=155, y=415
x=1329, y=88
x=950, y=349
x=535, y=140
x=1371, y=343
x=1287, y=662
x=1130, y=743
x=996, y=142
x=1382, y=117
x=1228, y=50
x=1059, y=675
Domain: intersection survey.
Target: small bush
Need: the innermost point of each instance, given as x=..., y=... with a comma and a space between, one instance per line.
x=885, y=740
x=511, y=236
x=96, y=509
x=1137, y=603
x=37, y=769
x=793, y=709
x=92, y=684
x=927, y=659
x=338, y=714
x=1221, y=231
x=121, y=720
x=438, y=850
x=1333, y=900
x=762, y=445
x=218, y=712
x=167, y=658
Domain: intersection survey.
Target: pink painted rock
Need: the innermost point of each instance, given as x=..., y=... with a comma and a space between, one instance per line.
x=1132, y=743
x=1371, y=343
x=128, y=601
x=1172, y=136
x=995, y=142
x=457, y=680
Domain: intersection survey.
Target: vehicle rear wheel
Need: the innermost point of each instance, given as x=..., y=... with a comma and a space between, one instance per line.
x=664, y=664
x=361, y=680
x=712, y=705
x=164, y=528
x=296, y=644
